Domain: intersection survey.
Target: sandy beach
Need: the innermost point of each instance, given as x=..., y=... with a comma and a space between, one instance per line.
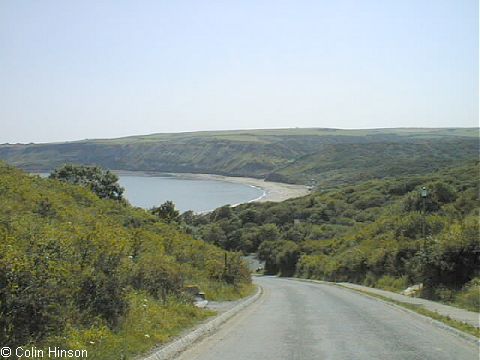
x=273, y=191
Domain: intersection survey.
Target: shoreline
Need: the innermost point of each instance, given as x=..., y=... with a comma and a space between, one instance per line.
x=272, y=191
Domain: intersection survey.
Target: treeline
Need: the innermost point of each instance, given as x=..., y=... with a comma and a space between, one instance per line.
x=79, y=271
x=380, y=233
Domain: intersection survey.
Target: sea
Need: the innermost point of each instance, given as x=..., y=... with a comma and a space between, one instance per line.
x=198, y=195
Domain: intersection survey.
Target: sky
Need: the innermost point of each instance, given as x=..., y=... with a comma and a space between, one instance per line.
x=72, y=70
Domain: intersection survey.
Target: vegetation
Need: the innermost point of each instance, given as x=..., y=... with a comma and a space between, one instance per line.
x=330, y=157
x=79, y=267
x=79, y=271
x=103, y=183
x=166, y=212
x=378, y=233
x=337, y=164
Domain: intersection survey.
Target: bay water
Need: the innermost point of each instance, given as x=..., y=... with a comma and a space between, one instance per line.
x=199, y=195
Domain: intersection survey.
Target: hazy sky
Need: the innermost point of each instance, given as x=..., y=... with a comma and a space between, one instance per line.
x=88, y=69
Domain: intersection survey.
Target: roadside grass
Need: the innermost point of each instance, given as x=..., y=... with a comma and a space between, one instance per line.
x=391, y=283
x=148, y=323
x=472, y=330
x=467, y=298
x=224, y=292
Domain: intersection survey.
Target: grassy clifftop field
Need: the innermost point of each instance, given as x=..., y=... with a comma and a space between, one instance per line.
x=80, y=272
x=329, y=156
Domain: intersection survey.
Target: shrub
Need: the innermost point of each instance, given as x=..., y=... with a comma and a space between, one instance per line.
x=391, y=283
x=469, y=297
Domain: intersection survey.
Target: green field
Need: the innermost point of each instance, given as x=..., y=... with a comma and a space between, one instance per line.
x=269, y=135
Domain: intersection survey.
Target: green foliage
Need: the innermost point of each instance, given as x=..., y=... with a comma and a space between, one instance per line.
x=102, y=182
x=214, y=234
x=469, y=296
x=72, y=264
x=287, y=257
x=374, y=233
x=166, y=212
x=224, y=212
x=380, y=158
x=147, y=323
x=279, y=256
x=439, y=194
x=450, y=258
x=391, y=283
x=267, y=251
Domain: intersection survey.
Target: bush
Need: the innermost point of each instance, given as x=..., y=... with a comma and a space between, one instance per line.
x=71, y=262
x=102, y=182
x=391, y=283
x=469, y=296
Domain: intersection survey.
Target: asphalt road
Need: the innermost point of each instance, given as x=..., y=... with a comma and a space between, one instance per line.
x=298, y=320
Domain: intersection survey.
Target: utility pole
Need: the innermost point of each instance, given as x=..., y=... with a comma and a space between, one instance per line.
x=424, y=194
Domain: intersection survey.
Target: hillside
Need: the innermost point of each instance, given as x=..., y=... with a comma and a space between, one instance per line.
x=80, y=272
x=286, y=155
x=374, y=233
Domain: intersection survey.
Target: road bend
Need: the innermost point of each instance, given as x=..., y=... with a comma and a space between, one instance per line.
x=299, y=320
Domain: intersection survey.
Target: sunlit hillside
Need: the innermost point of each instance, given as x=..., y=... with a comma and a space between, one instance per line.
x=78, y=271
x=328, y=156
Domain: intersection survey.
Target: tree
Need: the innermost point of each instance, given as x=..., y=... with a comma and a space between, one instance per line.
x=267, y=232
x=224, y=212
x=267, y=251
x=102, y=182
x=166, y=212
x=279, y=256
x=188, y=217
x=439, y=195
x=287, y=257
x=214, y=234
x=248, y=216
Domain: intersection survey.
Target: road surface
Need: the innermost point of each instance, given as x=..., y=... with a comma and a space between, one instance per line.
x=300, y=321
